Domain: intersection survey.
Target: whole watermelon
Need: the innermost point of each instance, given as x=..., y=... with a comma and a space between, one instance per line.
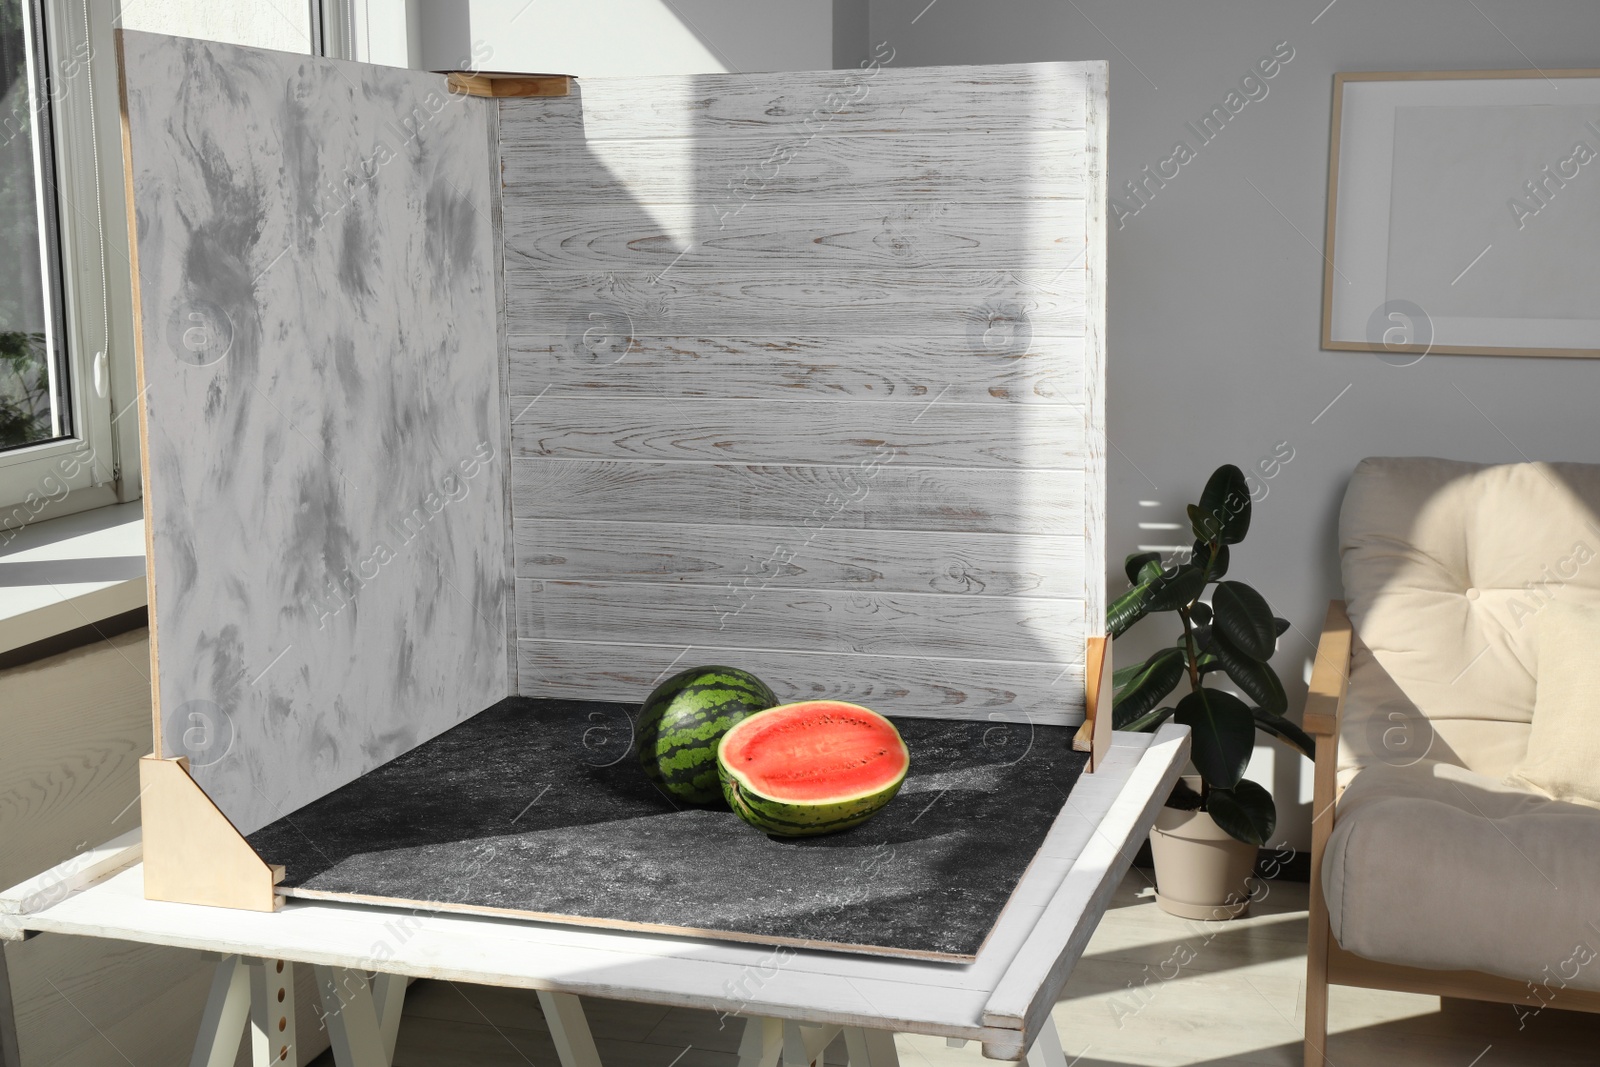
x=682, y=721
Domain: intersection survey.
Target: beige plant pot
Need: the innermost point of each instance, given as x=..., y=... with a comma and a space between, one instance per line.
x=1201, y=872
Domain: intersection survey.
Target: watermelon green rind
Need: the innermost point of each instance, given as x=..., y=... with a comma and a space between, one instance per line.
x=685, y=717
x=803, y=819
x=797, y=820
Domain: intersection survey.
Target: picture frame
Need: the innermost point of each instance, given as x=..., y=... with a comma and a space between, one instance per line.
x=1461, y=210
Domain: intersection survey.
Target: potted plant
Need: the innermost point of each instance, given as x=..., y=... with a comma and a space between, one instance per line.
x=1205, y=839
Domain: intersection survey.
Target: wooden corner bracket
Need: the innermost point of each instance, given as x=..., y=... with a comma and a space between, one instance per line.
x=192, y=853
x=1094, y=736
x=494, y=84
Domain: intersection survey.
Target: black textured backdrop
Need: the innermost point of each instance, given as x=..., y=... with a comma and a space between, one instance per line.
x=540, y=806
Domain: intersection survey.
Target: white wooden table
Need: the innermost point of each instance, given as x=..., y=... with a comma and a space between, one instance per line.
x=795, y=1000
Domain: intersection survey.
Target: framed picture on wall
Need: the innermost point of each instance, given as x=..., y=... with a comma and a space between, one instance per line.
x=1464, y=214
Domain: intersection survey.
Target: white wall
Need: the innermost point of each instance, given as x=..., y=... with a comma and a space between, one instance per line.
x=281, y=24
x=625, y=37
x=1215, y=286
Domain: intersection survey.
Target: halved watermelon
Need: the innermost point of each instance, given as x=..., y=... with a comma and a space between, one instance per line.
x=812, y=767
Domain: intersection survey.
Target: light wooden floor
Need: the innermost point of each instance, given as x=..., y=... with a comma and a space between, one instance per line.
x=1151, y=989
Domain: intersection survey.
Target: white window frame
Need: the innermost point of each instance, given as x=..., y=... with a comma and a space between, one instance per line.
x=98, y=464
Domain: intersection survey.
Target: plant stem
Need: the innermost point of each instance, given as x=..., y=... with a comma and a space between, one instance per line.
x=1191, y=653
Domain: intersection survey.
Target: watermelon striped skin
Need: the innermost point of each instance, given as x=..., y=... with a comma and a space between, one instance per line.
x=800, y=820
x=682, y=721
x=805, y=818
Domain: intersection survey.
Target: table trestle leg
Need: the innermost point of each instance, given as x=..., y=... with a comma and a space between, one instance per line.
x=272, y=1023
x=569, y=1028
x=774, y=1042
x=389, y=997
x=1046, y=1050
x=351, y=1017
x=227, y=1008
x=803, y=1043
x=762, y=1044
x=870, y=1048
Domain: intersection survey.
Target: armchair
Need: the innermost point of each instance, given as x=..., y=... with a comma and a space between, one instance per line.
x=1429, y=873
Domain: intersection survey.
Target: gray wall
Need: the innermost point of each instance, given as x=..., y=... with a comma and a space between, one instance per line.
x=1215, y=286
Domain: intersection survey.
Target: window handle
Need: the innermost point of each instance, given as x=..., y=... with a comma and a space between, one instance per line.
x=100, y=374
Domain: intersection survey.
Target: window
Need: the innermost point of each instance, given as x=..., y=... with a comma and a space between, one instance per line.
x=33, y=376
x=69, y=436
x=66, y=362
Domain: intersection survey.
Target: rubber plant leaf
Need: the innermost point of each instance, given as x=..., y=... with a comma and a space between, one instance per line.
x=1242, y=615
x=1223, y=735
x=1287, y=731
x=1225, y=503
x=1157, y=677
x=1245, y=812
x=1258, y=680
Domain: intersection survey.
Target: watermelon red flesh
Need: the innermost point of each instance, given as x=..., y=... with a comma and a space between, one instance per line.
x=812, y=767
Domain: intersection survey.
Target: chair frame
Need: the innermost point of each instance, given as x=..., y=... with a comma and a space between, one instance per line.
x=1326, y=962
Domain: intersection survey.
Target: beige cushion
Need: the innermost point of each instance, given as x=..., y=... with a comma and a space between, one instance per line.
x=1446, y=567
x=1563, y=757
x=1436, y=866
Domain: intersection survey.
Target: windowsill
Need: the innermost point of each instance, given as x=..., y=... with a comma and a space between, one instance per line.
x=67, y=573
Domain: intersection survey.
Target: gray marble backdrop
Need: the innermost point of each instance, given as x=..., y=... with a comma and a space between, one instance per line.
x=326, y=467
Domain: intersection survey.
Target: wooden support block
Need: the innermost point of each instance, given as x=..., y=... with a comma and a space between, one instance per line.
x=494, y=84
x=192, y=853
x=1094, y=736
x=272, y=1021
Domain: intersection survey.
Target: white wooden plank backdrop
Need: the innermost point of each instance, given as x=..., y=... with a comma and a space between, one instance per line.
x=899, y=561
x=883, y=101
x=805, y=375
x=990, y=312
x=811, y=496
x=1041, y=370
x=998, y=690
x=778, y=235
x=941, y=434
x=1033, y=630
x=1008, y=164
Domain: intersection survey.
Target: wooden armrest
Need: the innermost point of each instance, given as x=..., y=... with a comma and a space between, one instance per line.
x=1330, y=675
x=1330, y=681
